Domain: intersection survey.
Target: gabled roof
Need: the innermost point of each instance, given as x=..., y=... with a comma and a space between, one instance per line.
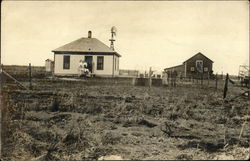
x=86, y=45
x=196, y=55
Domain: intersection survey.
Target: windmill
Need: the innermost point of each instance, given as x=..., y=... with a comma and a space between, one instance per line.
x=113, y=34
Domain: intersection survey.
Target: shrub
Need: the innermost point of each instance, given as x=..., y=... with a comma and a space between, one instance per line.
x=55, y=105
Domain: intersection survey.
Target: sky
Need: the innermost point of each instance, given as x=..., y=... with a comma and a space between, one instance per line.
x=157, y=34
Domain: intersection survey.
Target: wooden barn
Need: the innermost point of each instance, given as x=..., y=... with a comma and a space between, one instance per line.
x=195, y=67
x=101, y=59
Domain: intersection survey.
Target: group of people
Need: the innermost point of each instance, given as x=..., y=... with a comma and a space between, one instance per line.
x=83, y=68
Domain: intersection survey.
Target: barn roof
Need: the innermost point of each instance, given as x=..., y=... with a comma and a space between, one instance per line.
x=89, y=45
x=188, y=60
x=173, y=67
x=196, y=55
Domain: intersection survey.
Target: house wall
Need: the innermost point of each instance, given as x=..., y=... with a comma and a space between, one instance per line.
x=192, y=63
x=116, y=65
x=74, y=64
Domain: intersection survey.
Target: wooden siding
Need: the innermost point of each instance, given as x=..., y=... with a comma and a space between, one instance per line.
x=74, y=63
x=180, y=69
x=207, y=63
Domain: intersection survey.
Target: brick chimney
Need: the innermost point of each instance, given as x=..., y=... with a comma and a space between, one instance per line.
x=89, y=34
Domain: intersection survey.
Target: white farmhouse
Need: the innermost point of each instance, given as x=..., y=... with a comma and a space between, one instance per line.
x=101, y=59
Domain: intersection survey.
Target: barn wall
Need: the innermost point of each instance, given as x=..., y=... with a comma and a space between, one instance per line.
x=191, y=63
x=74, y=64
x=179, y=69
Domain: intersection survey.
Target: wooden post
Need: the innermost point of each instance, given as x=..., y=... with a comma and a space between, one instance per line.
x=30, y=85
x=225, y=86
x=208, y=78
x=197, y=77
x=1, y=106
x=201, y=79
x=249, y=77
x=134, y=81
x=16, y=81
x=216, y=83
x=150, y=79
x=241, y=131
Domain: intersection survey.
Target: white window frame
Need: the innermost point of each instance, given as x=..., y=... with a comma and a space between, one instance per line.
x=99, y=64
x=199, y=61
x=66, y=65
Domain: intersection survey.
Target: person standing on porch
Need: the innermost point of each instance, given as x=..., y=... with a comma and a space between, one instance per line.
x=80, y=68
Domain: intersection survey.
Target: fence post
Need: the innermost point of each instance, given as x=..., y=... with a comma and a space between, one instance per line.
x=216, y=83
x=30, y=85
x=134, y=81
x=150, y=79
x=249, y=78
x=208, y=78
x=225, y=86
x=202, y=79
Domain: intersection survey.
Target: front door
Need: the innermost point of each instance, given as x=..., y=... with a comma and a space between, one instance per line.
x=89, y=60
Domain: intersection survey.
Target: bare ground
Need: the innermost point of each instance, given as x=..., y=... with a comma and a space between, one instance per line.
x=65, y=120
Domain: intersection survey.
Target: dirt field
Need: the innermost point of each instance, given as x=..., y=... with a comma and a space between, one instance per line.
x=68, y=120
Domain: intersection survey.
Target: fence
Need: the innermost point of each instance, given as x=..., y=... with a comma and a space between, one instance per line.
x=19, y=71
x=128, y=73
x=217, y=82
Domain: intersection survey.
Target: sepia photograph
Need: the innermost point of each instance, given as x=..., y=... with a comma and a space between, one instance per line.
x=124, y=80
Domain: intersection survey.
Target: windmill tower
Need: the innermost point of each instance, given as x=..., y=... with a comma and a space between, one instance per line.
x=113, y=34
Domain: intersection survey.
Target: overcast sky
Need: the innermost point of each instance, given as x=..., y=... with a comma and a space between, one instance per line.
x=158, y=34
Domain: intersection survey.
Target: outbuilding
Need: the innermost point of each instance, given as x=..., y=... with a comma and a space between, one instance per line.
x=195, y=67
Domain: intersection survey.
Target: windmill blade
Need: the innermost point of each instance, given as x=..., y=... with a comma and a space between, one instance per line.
x=114, y=30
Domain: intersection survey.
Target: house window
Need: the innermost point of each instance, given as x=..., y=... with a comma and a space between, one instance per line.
x=199, y=65
x=192, y=69
x=100, y=62
x=66, y=62
x=205, y=69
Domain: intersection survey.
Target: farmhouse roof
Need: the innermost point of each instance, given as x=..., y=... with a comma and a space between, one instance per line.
x=89, y=45
x=196, y=55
